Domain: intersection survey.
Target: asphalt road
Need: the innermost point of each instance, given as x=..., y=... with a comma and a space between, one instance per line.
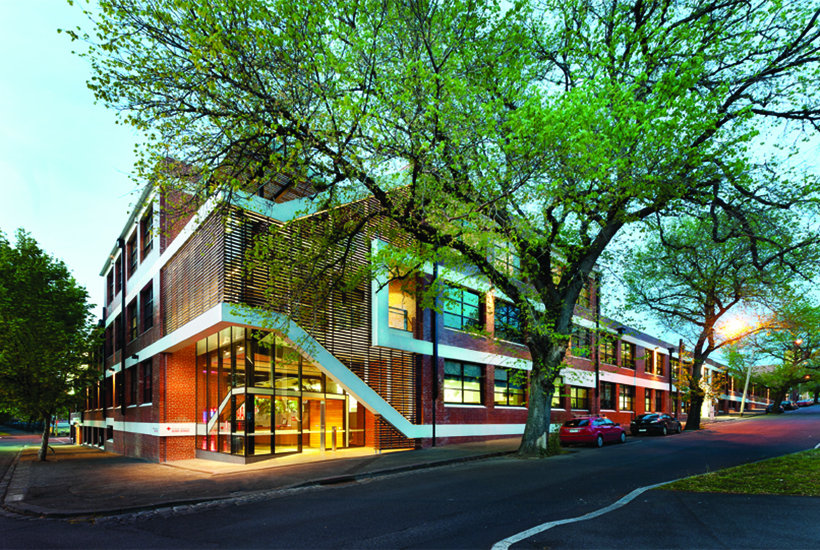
x=472, y=505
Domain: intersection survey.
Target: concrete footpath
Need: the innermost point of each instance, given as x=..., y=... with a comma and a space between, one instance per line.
x=80, y=481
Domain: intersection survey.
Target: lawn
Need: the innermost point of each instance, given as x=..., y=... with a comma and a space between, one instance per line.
x=796, y=474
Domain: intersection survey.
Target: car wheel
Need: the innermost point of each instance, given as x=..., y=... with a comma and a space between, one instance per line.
x=622, y=439
x=600, y=441
x=677, y=430
x=664, y=431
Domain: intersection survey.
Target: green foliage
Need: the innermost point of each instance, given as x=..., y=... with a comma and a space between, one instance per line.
x=540, y=127
x=46, y=332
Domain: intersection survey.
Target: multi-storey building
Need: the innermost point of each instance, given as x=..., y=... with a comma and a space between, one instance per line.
x=190, y=371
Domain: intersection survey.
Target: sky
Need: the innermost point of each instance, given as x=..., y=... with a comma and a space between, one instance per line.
x=64, y=162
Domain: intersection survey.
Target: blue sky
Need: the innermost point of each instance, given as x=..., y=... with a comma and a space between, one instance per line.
x=64, y=163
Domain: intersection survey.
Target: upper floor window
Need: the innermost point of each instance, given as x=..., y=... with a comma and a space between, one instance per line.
x=462, y=382
x=659, y=370
x=580, y=341
x=461, y=308
x=147, y=232
x=109, y=289
x=147, y=299
x=132, y=321
x=558, y=385
x=402, y=304
x=648, y=361
x=606, y=349
x=584, y=296
x=507, y=260
x=627, y=355
x=507, y=322
x=147, y=382
x=118, y=274
x=133, y=257
x=509, y=387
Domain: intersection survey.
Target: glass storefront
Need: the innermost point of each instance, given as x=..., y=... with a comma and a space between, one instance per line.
x=257, y=396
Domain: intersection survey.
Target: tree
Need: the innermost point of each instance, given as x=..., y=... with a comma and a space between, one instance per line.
x=541, y=128
x=46, y=334
x=790, y=349
x=692, y=274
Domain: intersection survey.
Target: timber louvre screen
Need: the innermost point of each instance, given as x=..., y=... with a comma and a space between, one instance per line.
x=340, y=323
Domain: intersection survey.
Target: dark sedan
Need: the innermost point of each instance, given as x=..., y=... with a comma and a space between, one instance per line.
x=659, y=423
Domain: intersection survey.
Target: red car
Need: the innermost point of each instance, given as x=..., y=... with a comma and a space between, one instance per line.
x=591, y=429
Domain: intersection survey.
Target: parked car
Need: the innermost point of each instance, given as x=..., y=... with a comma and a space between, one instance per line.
x=659, y=423
x=805, y=403
x=591, y=429
x=789, y=405
x=771, y=406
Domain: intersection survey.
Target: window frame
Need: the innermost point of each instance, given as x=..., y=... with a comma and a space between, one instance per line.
x=627, y=355
x=147, y=232
x=147, y=302
x=626, y=398
x=465, y=321
x=505, y=330
x=575, y=398
x=462, y=378
x=146, y=372
x=649, y=361
x=608, y=388
x=606, y=350
x=578, y=336
x=133, y=321
x=508, y=388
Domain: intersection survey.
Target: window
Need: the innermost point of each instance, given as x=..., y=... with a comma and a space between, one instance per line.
x=608, y=396
x=509, y=387
x=462, y=383
x=118, y=274
x=627, y=398
x=147, y=232
x=627, y=355
x=659, y=370
x=110, y=287
x=507, y=323
x=109, y=341
x=132, y=321
x=579, y=398
x=147, y=299
x=132, y=255
x=580, y=342
x=675, y=364
x=461, y=309
x=147, y=386
x=606, y=349
x=556, y=393
x=133, y=384
x=658, y=401
x=648, y=360
x=402, y=304
x=647, y=400
x=507, y=260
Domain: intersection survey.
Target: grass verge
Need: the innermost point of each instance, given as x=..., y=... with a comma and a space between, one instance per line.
x=797, y=474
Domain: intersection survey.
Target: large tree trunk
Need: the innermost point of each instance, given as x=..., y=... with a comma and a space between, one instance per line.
x=778, y=398
x=696, y=396
x=816, y=396
x=42, y=454
x=545, y=366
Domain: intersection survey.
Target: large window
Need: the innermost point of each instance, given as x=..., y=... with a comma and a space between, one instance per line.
x=648, y=361
x=147, y=299
x=109, y=294
x=606, y=349
x=507, y=261
x=507, y=323
x=627, y=355
x=133, y=255
x=580, y=341
x=118, y=274
x=647, y=400
x=659, y=370
x=608, y=396
x=461, y=308
x=133, y=384
x=579, y=398
x=583, y=297
x=627, y=398
x=509, y=387
x=462, y=383
x=658, y=401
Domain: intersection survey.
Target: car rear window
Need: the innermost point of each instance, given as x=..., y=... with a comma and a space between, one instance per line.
x=576, y=423
x=648, y=417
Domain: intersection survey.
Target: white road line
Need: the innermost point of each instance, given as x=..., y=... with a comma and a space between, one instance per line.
x=509, y=541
